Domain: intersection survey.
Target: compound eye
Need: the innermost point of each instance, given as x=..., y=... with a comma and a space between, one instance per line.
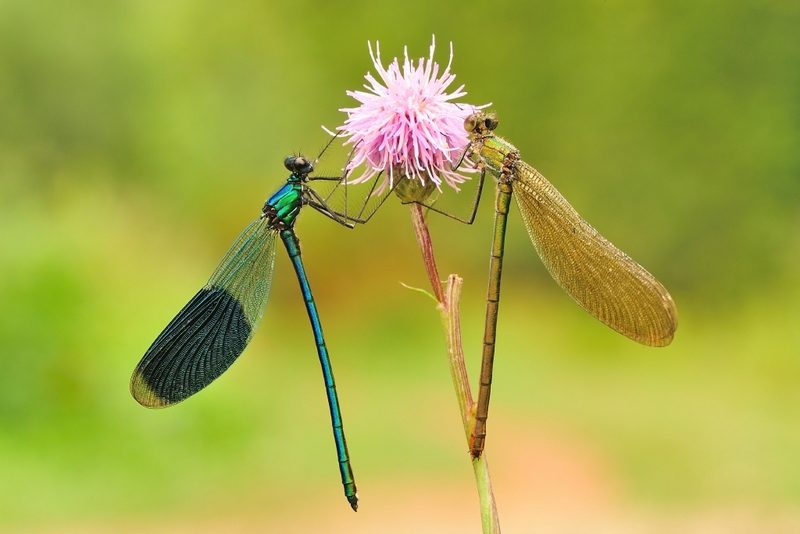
x=289, y=163
x=491, y=121
x=302, y=165
x=471, y=123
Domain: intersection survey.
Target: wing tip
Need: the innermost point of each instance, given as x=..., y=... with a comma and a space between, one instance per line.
x=662, y=339
x=144, y=394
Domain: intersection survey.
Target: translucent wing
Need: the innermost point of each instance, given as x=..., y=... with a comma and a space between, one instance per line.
x=597, y=275
x=214, y=328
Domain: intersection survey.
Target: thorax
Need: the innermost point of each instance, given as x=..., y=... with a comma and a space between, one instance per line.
x=492, y=152
x=283, y=206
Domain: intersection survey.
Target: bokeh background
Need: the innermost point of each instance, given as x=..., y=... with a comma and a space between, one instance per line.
x=138, y=138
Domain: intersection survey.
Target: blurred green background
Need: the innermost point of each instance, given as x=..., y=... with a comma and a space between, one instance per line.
x=138, y=138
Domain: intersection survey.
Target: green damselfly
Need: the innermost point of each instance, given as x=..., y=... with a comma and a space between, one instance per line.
x=213, y=329
x=602, y=279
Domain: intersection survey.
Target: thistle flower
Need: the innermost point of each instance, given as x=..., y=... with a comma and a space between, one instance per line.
x=408, y=125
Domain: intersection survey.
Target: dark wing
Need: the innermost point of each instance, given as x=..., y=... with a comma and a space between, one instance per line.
x=597, y=275
x=214, y=328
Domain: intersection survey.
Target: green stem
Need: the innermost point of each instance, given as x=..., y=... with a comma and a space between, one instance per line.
x=449, y=301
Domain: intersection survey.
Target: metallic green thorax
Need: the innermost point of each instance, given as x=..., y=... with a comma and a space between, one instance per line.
x=282, y=207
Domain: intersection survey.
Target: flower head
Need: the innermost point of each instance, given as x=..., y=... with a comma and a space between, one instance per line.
x=408, y=124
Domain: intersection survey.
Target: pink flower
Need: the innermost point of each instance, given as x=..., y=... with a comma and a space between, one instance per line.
x=408, y=124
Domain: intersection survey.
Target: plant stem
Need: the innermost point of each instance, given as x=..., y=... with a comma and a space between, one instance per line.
x=449, y=301
x=426, y=248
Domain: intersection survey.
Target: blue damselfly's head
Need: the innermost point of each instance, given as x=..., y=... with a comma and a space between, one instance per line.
x=299, y=165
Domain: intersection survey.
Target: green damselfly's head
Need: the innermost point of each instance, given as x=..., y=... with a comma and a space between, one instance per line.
x=481, y=122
